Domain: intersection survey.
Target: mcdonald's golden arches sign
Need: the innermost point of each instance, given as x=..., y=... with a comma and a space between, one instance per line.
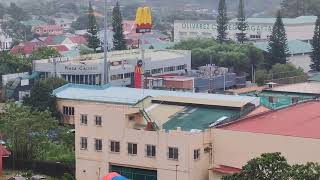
x=143, y=20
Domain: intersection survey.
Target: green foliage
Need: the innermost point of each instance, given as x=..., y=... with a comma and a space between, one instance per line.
x=222, y=21
x=315, y=55
x=57, y=152
x=93, y=40
x=239, y=57
x=242, y=23
x=17, y=13
x=278, y=71
x=44, y=53
x=17, y=30
x=278, y=45
x=13, y=64
x=40, y=95
x=85, y=50
x=273, y=166
x=67, y=176
x=119, y=42
x=25, y=129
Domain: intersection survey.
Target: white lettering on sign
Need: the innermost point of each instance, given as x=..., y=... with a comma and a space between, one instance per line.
x=81, y=68
x=231, y=27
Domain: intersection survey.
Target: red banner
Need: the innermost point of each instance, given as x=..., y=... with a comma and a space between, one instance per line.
x=138, y=77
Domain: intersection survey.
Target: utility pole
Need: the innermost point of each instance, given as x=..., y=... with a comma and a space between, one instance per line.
x=105, y=61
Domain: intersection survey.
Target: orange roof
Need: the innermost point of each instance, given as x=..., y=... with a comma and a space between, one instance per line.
x=258, y=110
x=300, y=120
x=247, y=89
x=226, y=169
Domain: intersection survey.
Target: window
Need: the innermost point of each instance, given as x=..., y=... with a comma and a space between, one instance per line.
x=255, y=36
x=98, y=121
x=98, y=144
x=181, y=67
x=151, y=150
x=168, y=69
x=128, y=75
x=157, y=71
x=173, y=153
x=196, y=154
x=84, y=143
x=132, y=148
x=115, y=146
x=84, y=119
x=69, y=111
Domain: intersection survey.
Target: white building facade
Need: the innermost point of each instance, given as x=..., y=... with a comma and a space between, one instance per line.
x=89, y=69
x=259, y=29
x=5, y=41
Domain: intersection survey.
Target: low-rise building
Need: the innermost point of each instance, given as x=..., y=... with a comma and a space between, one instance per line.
x=293, y=131
x=89, y=69
x=51, y=30
x=259, y=29
x=5, y=41
x=145, y=134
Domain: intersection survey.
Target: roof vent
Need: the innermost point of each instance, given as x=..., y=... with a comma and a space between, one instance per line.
x=218, y=121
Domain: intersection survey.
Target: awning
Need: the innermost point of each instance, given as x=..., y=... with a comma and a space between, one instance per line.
x=4, y=152
x=226, y=169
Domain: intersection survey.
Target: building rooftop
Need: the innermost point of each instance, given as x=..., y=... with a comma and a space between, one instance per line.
x=286, y=21
x=300, y=120
x=305, y=88
x=132, y=96
x=150, y=55
x=315, y=78
x=195, y=118
x=294, y=46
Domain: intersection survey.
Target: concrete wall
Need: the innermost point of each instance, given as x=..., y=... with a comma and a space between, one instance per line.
x=235, y=149
x=90, y=163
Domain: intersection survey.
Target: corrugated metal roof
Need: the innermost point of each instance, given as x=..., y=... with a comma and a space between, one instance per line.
x=196, y=101
x=131, y=96
x=294, y=46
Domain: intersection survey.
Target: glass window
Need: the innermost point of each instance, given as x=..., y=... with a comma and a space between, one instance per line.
x=98, y=120
x=84, y=143
x=196, y=154
x=115, y=146
x=69, y=111
x=132, y=148
x=151, y=150
x=98, y=144
x=84, y=119
x=173, y=153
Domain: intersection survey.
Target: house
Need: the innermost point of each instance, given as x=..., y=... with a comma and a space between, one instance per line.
x=51, y=30
x=5, y=41
x=145, y=134
x=293, y=131
x=26, y=48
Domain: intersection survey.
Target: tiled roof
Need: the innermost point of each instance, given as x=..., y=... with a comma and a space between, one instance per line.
x=54, y=40
x=26, y=48
x=300, y=120
x=60, y=48
x=295, y=47
x=78, y=39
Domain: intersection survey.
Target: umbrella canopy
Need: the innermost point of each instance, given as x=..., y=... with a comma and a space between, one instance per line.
x=114, y=176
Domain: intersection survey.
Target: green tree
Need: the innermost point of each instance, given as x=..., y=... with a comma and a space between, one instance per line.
x=40, y=95
x=278, y=45
x=17, y=13
x=25, y=129
x=3, y=11
x=242, y=23
x=44, y=53
x=266, y=167
x=13, y=64
x=315, y=55
x=119, y=42
x=309, y=171
x=222, y=21
x=93, y=40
